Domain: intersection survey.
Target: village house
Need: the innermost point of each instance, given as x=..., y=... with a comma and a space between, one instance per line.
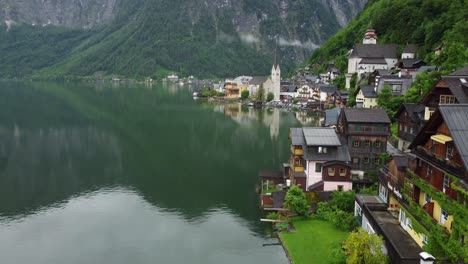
x=231, y=89
x=366, y=97
x=255, y=83
x=369, y=56
x=326, y=94
x=451, y=89
x=434, y=177
x=366, y=132
x=397, y=83
x=410, y=120
x=319, y=160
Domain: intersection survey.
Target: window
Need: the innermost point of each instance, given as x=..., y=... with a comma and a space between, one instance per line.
x=447, y=99
x=411, y=130
x=377, y=161
x=331, y=171
x=424, y=239
x=366, y=160
x=446, y=183
x=367, y=143
x=378, y=144
x=427, y=198
x=355, y=160
x=340, y=188
x=318, y=167
x=449, y=152
x=428, y=171
x=342, y=172
x=322, y=150
x=409, y=223
x=298, y=162
x=383, y=192
x=443, y=216
x=356, y=144
x=357, y=127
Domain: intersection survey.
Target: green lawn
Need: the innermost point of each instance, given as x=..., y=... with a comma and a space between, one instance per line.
x=313, y=241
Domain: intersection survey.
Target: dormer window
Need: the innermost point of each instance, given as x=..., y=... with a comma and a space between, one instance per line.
x=449, y=152
x=322, y=150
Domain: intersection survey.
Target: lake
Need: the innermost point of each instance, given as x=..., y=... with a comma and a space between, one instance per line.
x=102, y=173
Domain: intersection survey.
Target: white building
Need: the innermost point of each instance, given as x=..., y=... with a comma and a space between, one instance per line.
x=370, y=56
x=273, y=84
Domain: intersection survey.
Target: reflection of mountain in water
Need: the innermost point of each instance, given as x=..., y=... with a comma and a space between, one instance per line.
x=43, y=166
x=178, y=155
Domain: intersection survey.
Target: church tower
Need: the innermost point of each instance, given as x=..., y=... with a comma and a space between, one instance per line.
x=370, y=37
x=276, y=77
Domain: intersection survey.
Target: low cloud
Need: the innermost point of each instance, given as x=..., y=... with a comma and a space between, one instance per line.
x=225, y=37
x=249, y=38
x=297, y=43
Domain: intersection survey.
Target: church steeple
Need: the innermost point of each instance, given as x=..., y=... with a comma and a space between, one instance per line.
x=275, y=62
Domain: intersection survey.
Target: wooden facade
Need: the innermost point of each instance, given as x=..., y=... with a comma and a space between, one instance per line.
x=336, y=171
x=366, y=140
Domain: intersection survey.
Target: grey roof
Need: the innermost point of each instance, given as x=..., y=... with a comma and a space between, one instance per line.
x=257, y=80
x=374, y=51
x=291, y=88
x=368, y=91
x=340, y=153
x=460, y=72
x=401, y=161
x=373, y=61
x=331, y=116
x=426, y=68
x=366, y=115
x=415, y=111
x=456, y=118
x=297, y=136
x=381, y=72
x=457, y=87
x=329, y=89
x=410, y=63
x=321, y=136
x=405, y=81
x=410, y=48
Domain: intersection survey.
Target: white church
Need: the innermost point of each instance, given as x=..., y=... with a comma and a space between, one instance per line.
x=273, y=83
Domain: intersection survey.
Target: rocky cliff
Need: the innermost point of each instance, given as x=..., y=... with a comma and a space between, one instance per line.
x=202, y=37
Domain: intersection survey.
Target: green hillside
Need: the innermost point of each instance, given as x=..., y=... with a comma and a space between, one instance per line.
x=427, y=23
x=206, y=38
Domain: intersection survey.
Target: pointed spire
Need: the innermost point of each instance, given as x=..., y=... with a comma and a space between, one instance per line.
x=275, y=62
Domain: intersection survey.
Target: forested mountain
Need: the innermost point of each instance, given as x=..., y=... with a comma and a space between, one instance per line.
x=139, y=38
x=430, y=24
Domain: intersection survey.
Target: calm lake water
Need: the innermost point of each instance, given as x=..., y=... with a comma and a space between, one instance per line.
x=106, y=174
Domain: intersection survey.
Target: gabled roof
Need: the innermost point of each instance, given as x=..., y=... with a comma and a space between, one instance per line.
x=457, y=85
x=401, y=161
x=326, y=88
x=456, y=118
x=460, y=72
x=416, y=111
x=297, y=136
x=410, y=48
x=374, y=51
x=373, y=61
x=331, y=116
x=367, y=90
x=411, y=63
x=257, y=80
x=366, y=115
x=321, y=136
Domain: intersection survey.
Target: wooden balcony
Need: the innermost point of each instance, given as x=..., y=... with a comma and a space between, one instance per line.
x=296, y=151
x=445, y=165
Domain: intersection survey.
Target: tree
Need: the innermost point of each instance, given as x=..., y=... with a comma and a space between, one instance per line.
x=270, y=96
x=364, y=248
x=343, y=200
x=261, y=93
x=296, y=200
x=244, y=94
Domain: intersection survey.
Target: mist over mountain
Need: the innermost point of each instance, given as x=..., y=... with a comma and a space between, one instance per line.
x=139, y=38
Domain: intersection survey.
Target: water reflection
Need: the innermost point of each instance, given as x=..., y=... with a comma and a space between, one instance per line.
x=130, y=231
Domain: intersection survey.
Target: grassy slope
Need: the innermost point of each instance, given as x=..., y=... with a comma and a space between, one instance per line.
x=313, y=241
